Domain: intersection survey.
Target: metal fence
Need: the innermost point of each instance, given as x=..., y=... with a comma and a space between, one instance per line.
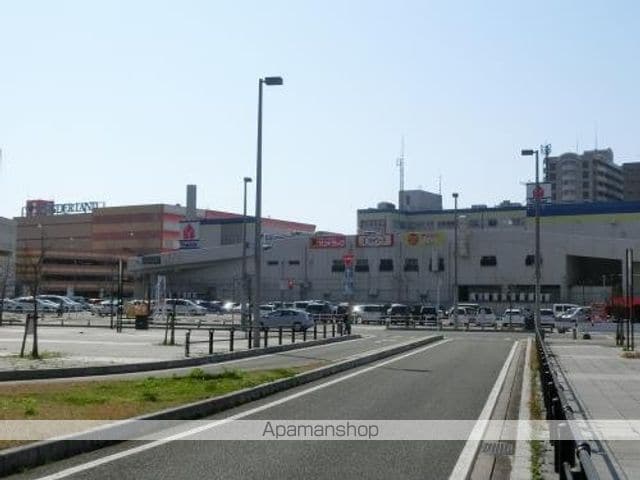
x=572, y=456
x=268, y=336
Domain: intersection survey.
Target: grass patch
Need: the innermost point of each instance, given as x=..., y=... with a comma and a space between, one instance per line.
x=535, y=408
x=125, y=398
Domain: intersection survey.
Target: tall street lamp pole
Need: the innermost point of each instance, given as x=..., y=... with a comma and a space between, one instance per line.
x=537, y=196
x=455, y=260
x=257, y=246
x=245, y=280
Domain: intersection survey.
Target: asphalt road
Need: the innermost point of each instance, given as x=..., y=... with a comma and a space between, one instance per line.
x=451, y=380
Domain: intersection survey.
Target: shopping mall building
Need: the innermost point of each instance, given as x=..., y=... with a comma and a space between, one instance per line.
x=81, y=244
x=407, y=255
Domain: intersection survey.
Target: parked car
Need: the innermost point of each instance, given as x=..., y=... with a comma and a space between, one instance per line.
x=573, y=318
x=183, y=306
x=25, y=305
x=560, y=309
x=287, y=317
x=466, y=315
x=485, y=317
x=301, y=304
x=212, y=306
x=319, y=308
x=547, y=319
x=68, y=305
x=105, y=307
x=9, y=305
x=513, y=317
x=398, y=312
x=369, y=313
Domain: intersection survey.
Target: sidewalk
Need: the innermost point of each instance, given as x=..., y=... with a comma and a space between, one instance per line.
x=602, y=386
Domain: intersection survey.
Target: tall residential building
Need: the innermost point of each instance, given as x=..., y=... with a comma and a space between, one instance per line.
x=631, y=174
x=590, y=177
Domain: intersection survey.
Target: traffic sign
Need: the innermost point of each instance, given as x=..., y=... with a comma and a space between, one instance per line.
x=348, y=258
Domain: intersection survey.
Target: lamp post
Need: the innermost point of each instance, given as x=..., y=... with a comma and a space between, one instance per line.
x=245, y=279
x=257, y=246
x=537, y=196
x=455, y=260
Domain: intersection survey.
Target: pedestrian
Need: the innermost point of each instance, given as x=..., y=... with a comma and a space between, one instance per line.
x=347, y=323
x=60, y=310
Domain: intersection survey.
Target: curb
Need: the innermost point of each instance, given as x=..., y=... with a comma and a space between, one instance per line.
x=17, y=459
x=14, y=375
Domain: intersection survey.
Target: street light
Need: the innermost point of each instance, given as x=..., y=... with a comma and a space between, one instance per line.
x=455, y=260
x=257, y=246
x=245, y=279
x=537, y=195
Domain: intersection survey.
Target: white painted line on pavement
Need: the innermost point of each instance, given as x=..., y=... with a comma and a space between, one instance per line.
x=522, y=459
x=182, y=435
x=463, y=466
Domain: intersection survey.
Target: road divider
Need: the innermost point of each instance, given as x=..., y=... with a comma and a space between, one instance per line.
x=44, y=373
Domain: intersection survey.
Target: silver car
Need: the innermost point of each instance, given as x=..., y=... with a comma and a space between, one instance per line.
x=287, y=317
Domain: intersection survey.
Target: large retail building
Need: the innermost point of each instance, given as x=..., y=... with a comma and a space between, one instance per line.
x=408, y=256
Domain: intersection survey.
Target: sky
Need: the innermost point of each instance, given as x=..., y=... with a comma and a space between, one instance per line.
x=126, y=102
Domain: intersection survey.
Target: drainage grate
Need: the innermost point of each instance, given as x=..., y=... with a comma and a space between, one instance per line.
x=498, y=449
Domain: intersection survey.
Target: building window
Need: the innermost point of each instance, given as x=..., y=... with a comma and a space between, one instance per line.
x=337, y=266
x=272, y=263
x=294, y=262
x=362, y=265
x=411, y=265
x=440, y=266
x=530, y=260
x=386, y=265
x=585, y=174
x=488, y=261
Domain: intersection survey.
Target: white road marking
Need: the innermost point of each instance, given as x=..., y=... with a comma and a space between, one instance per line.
x=522, y=457
x=179, y=436
x=467, y=457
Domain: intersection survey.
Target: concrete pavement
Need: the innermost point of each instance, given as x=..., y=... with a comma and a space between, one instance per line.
x=602, y=386
x=449, y=381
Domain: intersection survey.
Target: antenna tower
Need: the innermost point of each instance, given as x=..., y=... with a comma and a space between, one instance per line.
x=400, y=164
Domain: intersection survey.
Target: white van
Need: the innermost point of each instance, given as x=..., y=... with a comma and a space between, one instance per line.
x=560, y=309
x=369, y=313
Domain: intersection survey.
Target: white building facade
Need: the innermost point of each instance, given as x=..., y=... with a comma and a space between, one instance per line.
x=408, y=257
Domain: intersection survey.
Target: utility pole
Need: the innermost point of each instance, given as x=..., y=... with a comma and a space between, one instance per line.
x=455, y=260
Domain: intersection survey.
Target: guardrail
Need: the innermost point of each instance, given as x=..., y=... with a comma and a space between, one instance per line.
x=572, y=456
x=323, y=330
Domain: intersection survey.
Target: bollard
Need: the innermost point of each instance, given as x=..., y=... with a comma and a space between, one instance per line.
x=324, y=330
x=249, y=345
x=315, y=331
x=211, y=341
x=231, y=333
x=293, y=335
x=333, y=329
x=304, y=335
x=266, y=337
x=279, y=335
x=187, y=338
x=574, y=332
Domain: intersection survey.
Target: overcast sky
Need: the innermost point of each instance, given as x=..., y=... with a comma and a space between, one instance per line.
x=128, y=101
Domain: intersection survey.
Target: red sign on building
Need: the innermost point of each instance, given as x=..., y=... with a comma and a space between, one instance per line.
x=329, y=241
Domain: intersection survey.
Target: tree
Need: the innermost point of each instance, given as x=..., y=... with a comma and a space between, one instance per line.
x=33, y=262
x=5, y=280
